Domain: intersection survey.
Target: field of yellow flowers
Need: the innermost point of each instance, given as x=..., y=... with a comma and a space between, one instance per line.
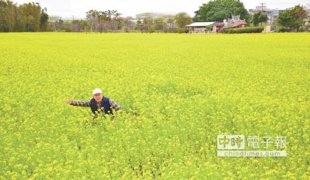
x=183, y=90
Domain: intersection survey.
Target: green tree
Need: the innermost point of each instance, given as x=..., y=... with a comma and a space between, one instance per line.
x=8, y=16
x=159, y=24
x=259, y=18
x=148, y=24
x=182, y=19
x=25, y=17
x=118, y=20
x=91, y=16
x=104, y=20
x=293, y=19
x=43, y=20
x=30, y=15
x=139, y=25
x=218, y=10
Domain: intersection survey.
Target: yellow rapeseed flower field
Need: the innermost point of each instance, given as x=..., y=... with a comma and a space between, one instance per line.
x=180, y=90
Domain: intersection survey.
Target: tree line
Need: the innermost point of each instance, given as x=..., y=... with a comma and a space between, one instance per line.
x=32, y=17
x=112, y=21
x=27, y=17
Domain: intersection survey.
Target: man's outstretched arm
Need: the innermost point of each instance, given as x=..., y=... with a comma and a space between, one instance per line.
x=114, y=105
x=83, y=103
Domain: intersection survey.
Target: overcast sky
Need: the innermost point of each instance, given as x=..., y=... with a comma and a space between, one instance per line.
x=77, y=8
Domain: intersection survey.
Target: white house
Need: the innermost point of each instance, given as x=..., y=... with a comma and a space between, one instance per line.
x=200, y=27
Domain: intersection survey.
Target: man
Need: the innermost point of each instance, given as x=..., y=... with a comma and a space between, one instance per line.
x=98, y=103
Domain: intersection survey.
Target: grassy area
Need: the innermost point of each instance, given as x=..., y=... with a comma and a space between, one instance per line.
x=187, y=90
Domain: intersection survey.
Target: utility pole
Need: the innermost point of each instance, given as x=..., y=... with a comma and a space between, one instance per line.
x=263, y=4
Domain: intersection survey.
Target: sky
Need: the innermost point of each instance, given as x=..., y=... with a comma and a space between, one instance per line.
x=77, y=8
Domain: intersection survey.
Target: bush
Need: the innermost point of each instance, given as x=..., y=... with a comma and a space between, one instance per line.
x=243, y=30
x=282, y=29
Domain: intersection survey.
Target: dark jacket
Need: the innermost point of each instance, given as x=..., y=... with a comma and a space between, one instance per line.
x=104, y=105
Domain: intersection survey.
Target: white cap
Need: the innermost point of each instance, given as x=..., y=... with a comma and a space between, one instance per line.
x=97, y=91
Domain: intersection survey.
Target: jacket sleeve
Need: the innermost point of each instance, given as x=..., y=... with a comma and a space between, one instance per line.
x=83, y=103
x=114, y=105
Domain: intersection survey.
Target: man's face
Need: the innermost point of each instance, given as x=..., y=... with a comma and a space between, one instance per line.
x=98, y=97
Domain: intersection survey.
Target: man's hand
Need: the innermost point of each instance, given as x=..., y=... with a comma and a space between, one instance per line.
x=69, y=101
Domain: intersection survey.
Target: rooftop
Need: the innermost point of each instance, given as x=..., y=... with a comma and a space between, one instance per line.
x=200, y=24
